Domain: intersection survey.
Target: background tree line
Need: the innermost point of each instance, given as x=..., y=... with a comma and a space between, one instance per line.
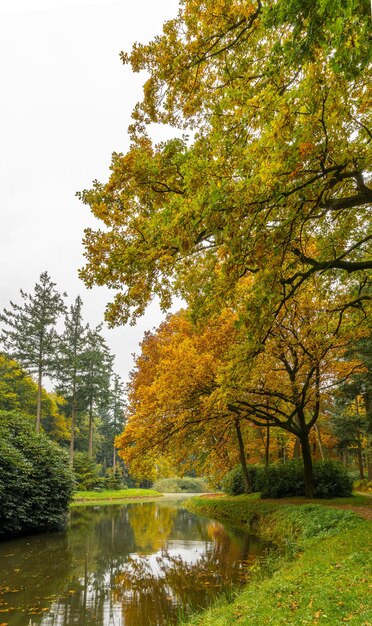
x=44, y=339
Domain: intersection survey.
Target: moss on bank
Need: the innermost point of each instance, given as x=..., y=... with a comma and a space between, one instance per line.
x=321, y=575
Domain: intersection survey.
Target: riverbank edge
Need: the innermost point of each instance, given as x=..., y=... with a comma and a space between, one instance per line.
x=319, y=572
x=103, y=498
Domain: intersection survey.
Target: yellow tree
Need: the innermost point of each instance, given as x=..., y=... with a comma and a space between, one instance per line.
x=274, y=181
x=175, y=419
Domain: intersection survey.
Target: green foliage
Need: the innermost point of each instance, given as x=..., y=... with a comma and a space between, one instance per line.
x=179, y=485
x=36, y=482
x=87, y=472
x=287, y=479
x=233, y=482
x=29, y=335
x=114, y=479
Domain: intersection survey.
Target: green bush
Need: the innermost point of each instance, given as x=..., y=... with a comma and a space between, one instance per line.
x=36, y=482
x=114, y=479
x=87, y=472
x=287, y=479
x=233, y=482
x=332, y=480
x=181, y=485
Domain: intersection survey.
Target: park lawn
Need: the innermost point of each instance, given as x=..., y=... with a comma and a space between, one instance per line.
x=83, y=498
x=320, y=574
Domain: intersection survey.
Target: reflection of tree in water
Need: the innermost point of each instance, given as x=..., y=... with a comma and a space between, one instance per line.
x=151, y=526
x=90, y=575
x=153, y=594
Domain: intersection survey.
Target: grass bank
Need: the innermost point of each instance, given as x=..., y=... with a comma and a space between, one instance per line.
x=82, y=498
x=320, y=573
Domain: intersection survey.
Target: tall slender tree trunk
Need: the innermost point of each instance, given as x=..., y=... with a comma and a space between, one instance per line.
x=114, y=449
x=39, y=391
x=308, y=465
x=243, y=461
x=297, y=445
x=360, y=458
x=73, y=421
x=90, y=446
x=319, y=441
x=72, y=439
x=359, y=444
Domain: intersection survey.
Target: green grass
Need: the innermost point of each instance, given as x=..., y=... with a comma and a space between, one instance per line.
x=320, y=575
x=112, y=497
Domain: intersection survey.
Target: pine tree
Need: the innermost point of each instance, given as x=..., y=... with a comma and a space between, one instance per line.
x=97, y=370
x=70, y=364
x=118, y=406
x=30, y=336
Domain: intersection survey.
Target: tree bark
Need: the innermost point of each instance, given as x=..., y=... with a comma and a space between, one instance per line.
x=243, y=461
x=73, y=419
x=72, y=439
x=38, y=409
x=360, y=458
x=90, y=446
x=319, y=441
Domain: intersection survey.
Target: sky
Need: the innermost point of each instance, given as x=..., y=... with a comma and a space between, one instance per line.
x=65, y=105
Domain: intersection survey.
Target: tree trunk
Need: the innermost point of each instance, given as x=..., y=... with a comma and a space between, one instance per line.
x=72, y=439
x=319, y=441
x=114, y=459
x=308, y=465
x=38, y=409
x=297, y=446
x=247, y=487
x=90, y=446
x=73, y=419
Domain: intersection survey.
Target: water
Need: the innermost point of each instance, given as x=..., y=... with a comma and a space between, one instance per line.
x=123, y=565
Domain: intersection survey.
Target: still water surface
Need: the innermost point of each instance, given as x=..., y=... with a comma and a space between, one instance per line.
x=121, y=565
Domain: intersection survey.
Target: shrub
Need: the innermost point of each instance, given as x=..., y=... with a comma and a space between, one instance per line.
x=287, y=479
x=284, y=480
x=332, y=480
x=87, y=472
x=36, y=481
x=233, y=482
x=114, y=479
x=180, y=485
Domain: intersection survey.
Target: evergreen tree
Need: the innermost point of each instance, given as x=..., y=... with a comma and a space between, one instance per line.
x=70, y=364
x=30, y=336
x=97, y=366
x=118, y=406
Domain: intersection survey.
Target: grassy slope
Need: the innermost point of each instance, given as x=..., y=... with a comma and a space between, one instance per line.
x=113, y=497
x=323, y=578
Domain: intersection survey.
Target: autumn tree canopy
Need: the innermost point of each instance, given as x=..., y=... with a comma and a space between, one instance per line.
x=267, y=174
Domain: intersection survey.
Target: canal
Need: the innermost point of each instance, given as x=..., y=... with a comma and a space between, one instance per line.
x=143, y=564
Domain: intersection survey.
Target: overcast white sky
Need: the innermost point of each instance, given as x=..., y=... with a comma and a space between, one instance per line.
x=65, y=106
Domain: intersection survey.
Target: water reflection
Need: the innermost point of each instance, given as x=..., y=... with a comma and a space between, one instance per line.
x=134, y=565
